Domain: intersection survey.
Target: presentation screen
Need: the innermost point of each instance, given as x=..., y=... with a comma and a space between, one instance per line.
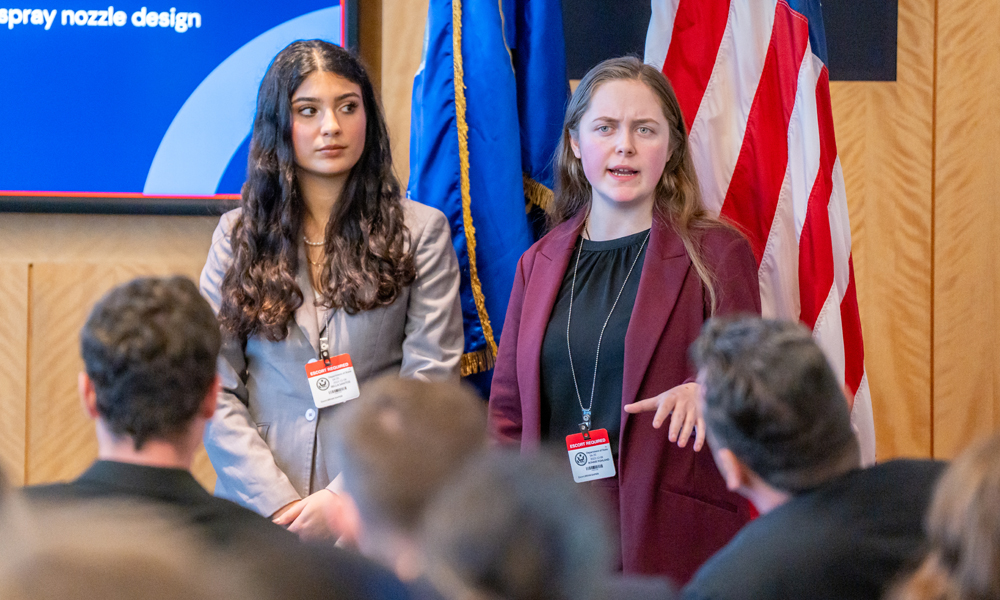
x=136, y=102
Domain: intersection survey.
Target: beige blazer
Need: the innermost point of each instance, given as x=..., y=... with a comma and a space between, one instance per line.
x=268, y=442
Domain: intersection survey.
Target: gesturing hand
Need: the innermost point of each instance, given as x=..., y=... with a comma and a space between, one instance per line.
x=681, y=404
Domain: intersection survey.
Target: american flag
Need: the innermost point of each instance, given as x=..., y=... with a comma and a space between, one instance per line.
x=753, y=84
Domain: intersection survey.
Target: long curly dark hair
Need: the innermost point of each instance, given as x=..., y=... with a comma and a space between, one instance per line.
x=367, y=242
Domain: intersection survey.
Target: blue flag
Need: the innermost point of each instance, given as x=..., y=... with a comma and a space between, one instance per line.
x=488, y=102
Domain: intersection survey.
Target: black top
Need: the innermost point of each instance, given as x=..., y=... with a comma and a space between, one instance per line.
x=849, y=538
x=601, y=274
x=286, y=567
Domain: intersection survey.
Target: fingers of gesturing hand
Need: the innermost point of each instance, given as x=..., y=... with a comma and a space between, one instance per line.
x=666, y=407
x=681, y=425
x=686, y=416
x=699, y=437
x=680, y=404
x=647, y=405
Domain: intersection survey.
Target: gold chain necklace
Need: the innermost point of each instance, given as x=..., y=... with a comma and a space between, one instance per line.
x=314, y=245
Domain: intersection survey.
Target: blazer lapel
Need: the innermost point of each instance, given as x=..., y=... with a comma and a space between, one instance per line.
x=305, y=314
x=663, y=272
x=539, y=298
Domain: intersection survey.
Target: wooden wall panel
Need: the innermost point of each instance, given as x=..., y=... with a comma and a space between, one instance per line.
x=61, y=440
x=370, y=40
x=104, y=238
x=13, y=368
x=402, y=46
x=884, y=138
x=967, y=226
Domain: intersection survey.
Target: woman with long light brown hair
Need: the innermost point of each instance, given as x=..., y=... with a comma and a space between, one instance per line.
x=603, y=309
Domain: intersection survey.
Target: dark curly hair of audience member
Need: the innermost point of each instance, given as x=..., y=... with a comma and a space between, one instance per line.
x=366, y=238
x=150, y=348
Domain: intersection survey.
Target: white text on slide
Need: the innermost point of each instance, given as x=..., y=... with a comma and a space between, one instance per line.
x=167, y=19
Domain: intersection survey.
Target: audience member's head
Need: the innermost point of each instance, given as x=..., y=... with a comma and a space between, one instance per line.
x=397, y=445
x=517, y=528
x=774, y=408
x=963, y=528
x=149, y=349
x=112, y=552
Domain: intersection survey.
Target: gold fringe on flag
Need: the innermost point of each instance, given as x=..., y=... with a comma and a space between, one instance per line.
x=477, y=362
x=536, y=194
x=470, y=230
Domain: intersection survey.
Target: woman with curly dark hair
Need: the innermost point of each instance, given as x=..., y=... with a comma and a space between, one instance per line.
x=325, y=266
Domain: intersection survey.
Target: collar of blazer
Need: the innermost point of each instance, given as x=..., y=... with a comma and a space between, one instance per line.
x=663, y=273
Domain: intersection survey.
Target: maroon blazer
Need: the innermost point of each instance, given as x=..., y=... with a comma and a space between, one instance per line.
x=674, y=509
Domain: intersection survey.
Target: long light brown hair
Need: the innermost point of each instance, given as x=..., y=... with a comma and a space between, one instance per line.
x=963, y=530
x=366, y=237
x=677, y=201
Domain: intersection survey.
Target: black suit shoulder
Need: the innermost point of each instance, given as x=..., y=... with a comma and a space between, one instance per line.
x=846, y=539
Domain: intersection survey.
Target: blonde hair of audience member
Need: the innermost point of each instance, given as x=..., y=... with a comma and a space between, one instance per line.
x=677, y=199
x=518, y=528
x=398, y=444
x=963, y=528
x=111, y=551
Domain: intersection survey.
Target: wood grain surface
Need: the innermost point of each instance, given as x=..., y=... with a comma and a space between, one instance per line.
x=79, y=257
x=104, y=238
x=885, y=142
x=967, y=224
x=370, y=40
x=61, y=439
x=13, y=368
x=402, y=46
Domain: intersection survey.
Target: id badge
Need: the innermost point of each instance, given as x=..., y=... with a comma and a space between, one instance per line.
x=332, y=384
x=590, y=459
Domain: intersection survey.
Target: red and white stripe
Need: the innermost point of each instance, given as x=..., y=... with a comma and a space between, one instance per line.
x=757, y=101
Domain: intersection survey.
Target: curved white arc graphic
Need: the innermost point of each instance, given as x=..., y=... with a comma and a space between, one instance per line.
x=215, y=119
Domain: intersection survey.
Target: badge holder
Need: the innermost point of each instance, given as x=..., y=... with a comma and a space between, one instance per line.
x=590, y=455
x=332, y=380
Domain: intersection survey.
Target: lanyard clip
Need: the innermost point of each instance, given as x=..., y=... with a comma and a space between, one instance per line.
x=324, y=351
x=585, y=426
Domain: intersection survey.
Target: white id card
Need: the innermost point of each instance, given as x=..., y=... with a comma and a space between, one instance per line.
x=332, y=384
x=590, y=459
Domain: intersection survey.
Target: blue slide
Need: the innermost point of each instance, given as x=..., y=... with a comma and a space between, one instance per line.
x=133, y=99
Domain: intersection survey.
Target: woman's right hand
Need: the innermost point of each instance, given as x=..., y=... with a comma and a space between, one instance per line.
x=680, y=404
